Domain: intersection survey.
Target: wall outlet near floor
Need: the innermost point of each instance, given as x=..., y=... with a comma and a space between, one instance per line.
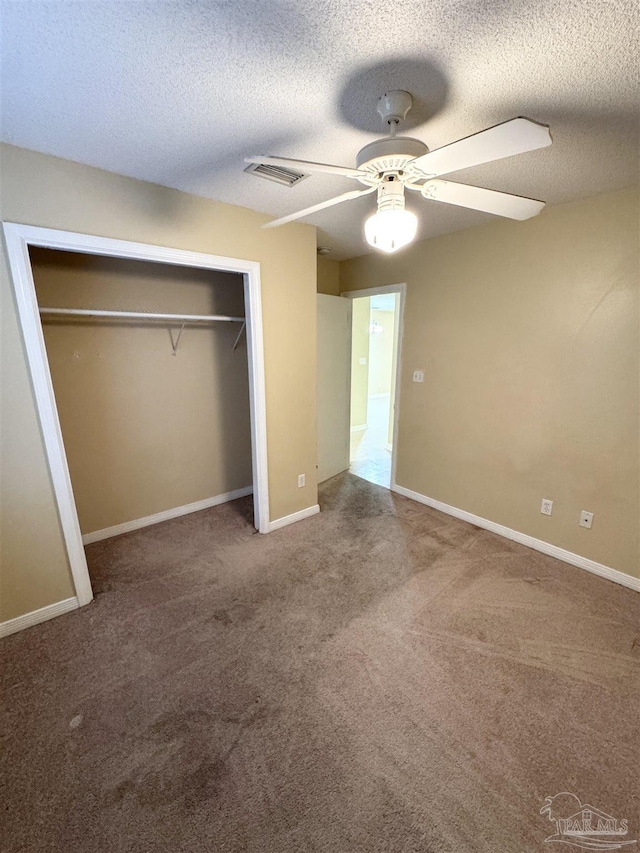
x=301, y=480
x=586, y=519
x=547, y=506
x=418, y=376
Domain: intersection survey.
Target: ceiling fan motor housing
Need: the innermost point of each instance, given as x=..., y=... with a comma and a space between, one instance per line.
x=390, y=154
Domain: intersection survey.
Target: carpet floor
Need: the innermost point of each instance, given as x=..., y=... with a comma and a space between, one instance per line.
x=380, y=677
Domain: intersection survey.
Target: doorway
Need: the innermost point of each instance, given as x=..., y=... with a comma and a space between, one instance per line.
x=376, y=327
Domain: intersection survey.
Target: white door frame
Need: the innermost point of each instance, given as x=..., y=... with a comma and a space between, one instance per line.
x=18, y=239
x=401, y=289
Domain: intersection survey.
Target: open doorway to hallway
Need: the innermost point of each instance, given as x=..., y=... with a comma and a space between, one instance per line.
x=375, y=333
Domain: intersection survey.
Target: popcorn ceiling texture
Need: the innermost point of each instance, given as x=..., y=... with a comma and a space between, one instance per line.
x=178, y=93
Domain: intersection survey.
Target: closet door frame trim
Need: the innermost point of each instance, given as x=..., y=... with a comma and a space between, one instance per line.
x=18, y=239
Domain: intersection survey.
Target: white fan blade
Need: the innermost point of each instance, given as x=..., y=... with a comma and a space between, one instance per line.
x=504, y=140
x=307, y=166
x=477, y=198
x=308, y=210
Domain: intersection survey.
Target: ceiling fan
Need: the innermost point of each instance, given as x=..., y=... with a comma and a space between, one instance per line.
x=396, y=163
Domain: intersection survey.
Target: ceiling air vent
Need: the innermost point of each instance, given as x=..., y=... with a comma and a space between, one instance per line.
x=279, y=174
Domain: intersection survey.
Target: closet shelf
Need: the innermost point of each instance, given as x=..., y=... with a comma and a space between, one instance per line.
x=144, y=315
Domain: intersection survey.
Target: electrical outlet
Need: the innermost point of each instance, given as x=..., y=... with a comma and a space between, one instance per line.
x=586, y=519
x=301, y=480
x=362, y=360
x=547, y=506
x=418, y=375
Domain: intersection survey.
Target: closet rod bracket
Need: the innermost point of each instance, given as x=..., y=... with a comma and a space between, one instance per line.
x=174, y=344
x=237, y=340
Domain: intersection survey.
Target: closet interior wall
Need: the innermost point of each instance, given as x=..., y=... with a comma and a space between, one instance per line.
x=145, y=430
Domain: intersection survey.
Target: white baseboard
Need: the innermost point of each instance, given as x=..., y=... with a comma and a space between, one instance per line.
x=358, y=428
x=537, y=544
x=12, y=626
x=166, y=515
x=295, y=516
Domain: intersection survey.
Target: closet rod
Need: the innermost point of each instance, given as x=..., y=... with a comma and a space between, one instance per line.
x=142, y=315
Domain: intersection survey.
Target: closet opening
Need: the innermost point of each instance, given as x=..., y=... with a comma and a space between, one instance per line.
x=149, y=382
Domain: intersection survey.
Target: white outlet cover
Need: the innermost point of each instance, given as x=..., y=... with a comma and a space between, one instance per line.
x=586, y=519
x=301, y=480
x=546, y=507
x=418, y=376
x=362, y=360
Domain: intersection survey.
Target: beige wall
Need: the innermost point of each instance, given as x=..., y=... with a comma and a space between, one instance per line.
x=328, y=276
x=528, y=335
x=144, y=430
x=359, y=350
x=41, y=190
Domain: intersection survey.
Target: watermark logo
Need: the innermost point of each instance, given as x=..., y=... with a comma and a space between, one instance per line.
x=584, y=826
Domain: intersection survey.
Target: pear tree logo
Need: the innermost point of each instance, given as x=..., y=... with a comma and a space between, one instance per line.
x=581, y=825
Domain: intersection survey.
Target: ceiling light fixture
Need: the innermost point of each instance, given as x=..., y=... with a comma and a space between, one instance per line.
x=391, y=227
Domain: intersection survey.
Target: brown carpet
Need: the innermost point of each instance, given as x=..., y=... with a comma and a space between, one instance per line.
x=380, y=677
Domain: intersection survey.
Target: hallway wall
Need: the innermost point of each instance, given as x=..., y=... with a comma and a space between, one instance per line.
x=359, y=351
x=381, y=353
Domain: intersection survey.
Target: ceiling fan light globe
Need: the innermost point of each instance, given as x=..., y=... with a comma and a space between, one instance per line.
x=390, y=230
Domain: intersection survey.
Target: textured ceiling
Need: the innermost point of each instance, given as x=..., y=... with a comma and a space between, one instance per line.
x=180, y=92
